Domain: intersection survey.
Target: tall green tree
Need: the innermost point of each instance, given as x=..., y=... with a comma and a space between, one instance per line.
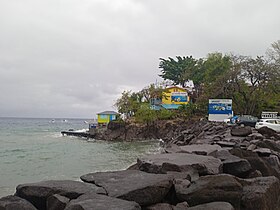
x=178, y=70
x=128, y=103
x=216, y=66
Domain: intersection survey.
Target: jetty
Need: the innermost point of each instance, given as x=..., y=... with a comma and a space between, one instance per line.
x=84, y=134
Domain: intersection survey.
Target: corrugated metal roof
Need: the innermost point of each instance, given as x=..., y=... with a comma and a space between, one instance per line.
x=108, y=112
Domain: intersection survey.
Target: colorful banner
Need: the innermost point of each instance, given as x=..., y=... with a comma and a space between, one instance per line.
x=220, y=106
x=180, y=97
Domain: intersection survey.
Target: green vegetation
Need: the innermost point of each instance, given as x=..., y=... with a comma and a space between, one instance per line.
x=252, y=83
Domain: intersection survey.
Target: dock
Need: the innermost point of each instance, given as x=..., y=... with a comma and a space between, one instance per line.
x=78, y=134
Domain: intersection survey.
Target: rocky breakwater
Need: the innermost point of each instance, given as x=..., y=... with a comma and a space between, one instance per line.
x=220, y=168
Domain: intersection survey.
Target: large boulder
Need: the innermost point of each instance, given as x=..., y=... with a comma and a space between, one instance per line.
x=213, y=206
x=226, y=144
x=56, y=201
x=232, y=164
x=206, y=189
x=256, y=162
x=180, y=162
x=200, y=149
x=174, y=148
x=261, y=193
x=181, y=206
x=241, y=131
x=38, y=193
x=256, y=136
x=274, y=162
x=100, y=202
x=160, y=206
x=263, y=152
x=133, y=185
x=15, y=203
x=268, y=133
x=270, y=144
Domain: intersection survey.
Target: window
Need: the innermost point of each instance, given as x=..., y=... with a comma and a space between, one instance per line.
x=271, y=121
x=103, y=116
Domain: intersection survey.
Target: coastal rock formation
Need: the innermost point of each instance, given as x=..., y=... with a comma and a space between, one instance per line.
x=200, y=149
x=100, y=202
x=204, y=165
x=232, y=164
x=38, y=193
x=57, y=202
x=261, y=193
x=180, y=162
x=207, y=189
x=241, y=131
x=14, y=202
x=213, y=206
x=132, y=185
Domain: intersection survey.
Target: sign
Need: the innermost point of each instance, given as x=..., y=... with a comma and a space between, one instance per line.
x=180, y=97
x=220, y=106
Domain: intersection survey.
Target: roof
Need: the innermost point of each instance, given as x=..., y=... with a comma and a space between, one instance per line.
x=170, y=87
x=108, y=113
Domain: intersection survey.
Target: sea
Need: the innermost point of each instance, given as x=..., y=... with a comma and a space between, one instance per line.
x=33, y=150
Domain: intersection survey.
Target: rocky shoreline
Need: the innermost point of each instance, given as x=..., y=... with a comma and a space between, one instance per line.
x=204, y=165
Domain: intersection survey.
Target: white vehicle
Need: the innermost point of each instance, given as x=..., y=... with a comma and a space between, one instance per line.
x=274, y=124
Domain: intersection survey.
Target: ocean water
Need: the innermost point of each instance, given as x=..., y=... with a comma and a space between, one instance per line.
x=33, y=150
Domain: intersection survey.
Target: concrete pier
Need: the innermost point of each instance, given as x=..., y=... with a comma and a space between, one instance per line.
x=78, y=134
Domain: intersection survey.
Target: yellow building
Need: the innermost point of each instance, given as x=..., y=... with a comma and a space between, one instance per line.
x=174, y=97
x=106, y=117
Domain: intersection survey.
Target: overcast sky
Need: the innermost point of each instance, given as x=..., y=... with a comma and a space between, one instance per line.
x=74, y=58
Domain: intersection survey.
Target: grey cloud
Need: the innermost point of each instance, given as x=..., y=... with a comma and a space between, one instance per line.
x=73, y=58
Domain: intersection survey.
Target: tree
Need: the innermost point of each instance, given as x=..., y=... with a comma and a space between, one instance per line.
x=146, y=115
x=178, y=71
x=214, y=77
x=216, y=65
x=127, y=104
x=251, y=83
x=274, y=52
x=153, y=91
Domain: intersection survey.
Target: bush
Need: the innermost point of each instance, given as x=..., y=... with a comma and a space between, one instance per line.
x=165, y=114
x=145, y=114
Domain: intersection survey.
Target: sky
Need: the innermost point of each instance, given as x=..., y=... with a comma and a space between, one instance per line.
x=74, y=58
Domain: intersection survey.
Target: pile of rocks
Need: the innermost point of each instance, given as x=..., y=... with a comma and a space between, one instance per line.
x=221, y=168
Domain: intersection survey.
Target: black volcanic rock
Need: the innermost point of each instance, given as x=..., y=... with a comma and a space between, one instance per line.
x=37, y=193
x=101, y=202
x=241, y=131
x=57, y=202
x=133, y=185
x=268, y=133
x=257, y=163
x=15, y=203
x=213, y=206
x=232, y=164
x=180, y=162
x=212, y=188
x=261, y=193
x=200, y=149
